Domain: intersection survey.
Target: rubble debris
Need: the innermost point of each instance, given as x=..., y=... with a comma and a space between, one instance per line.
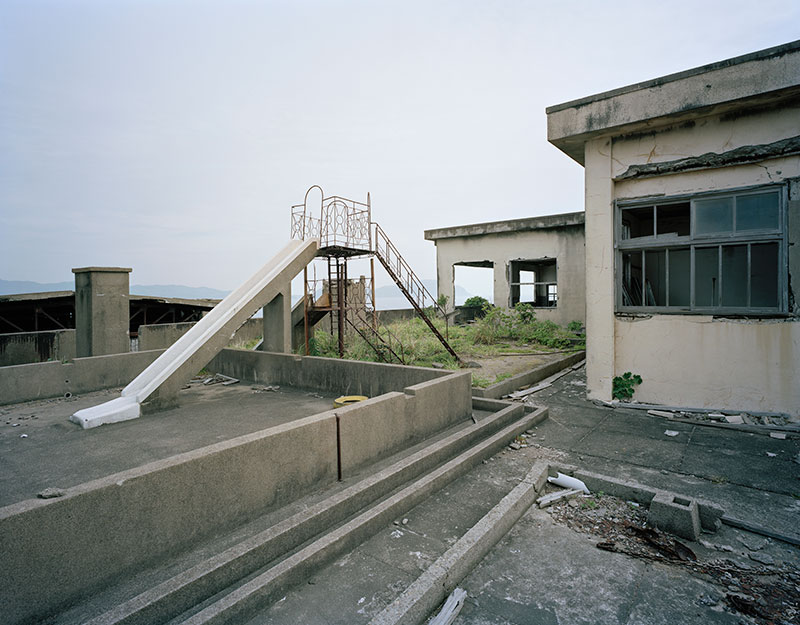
x=549, y=500
x=266, y=389
x=567, y=481
x=779, y=435
x=218, y=378
x=661, y=413
x=671, y=432
x=769, y=588
x=735, y=419
x=50, y=493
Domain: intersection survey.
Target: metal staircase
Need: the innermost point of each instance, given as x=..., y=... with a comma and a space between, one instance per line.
x=346, y=230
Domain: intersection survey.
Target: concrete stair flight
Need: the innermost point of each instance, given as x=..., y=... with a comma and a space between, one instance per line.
x=231, y=583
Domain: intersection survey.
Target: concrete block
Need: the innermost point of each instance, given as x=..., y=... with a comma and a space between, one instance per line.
x=675, y=514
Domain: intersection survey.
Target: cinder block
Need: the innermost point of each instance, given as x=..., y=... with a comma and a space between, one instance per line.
x=675, y=514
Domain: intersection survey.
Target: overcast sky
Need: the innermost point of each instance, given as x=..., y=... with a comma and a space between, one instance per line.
x=173, y=136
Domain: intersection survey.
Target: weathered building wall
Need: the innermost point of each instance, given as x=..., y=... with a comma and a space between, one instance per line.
x=22, y=347
x=691, y=360
x=703, y=362
x=565, y=244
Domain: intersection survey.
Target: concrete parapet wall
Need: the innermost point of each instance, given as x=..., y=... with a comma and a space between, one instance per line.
x=541, y=372
x=344, y=377
x=54, y=379
x=26, y=347
x=108, y=528
x=162, y=335
x=393, y=421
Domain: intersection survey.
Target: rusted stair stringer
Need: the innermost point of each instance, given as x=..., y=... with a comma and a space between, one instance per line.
x=366, y=327
x=415, y=282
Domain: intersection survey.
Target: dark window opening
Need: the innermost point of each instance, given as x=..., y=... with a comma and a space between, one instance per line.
x=533, y=282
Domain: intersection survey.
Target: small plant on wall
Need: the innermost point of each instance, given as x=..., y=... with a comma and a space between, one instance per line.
x=624, y=385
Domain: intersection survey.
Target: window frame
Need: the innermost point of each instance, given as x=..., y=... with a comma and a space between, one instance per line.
x=536, y=283
x=694, y=241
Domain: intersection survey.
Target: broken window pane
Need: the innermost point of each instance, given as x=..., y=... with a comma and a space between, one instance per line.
x=734, y=275
x=632, y=279
x=757, y=212
x=764, y=275
x=637, y=222
x=679, y=278
x=713, y=215
x=672, y=219
x=706, y=276
x=655, y=284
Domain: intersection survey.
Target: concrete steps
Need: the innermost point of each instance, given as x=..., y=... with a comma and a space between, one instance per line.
x=241, y=575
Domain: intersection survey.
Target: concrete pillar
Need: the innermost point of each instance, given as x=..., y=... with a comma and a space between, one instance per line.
x=600, y=338
x=102, y=310
x=278, y=323
x=501, y=291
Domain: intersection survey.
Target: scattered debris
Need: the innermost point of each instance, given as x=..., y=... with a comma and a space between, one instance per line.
x=218, y=378
x=768, y=588
x=528, y=391
x=23, y=436
x=779, y=435
x=549, y=500
x=437, y=365
x=671, y=432
x=771, y=455
x=661, y=413
x=735, y=419
x=266, y=389
x=50, y=493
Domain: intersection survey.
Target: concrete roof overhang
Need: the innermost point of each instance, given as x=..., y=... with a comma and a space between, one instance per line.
x=764, y=78
x=562, y=220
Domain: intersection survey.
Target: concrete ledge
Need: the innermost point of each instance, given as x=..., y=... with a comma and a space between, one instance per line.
x=113, y=526
x=541, y=372
x=430, y=589
x=44, y=380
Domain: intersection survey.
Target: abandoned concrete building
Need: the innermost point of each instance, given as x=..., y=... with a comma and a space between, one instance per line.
x=537, y=260
x=692, y=186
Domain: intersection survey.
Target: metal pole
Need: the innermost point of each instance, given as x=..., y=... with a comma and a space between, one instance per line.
x=305, y=306
x=372, y=285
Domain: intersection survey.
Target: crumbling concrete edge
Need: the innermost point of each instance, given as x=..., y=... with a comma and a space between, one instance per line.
x=433, y=586
x=528, y=377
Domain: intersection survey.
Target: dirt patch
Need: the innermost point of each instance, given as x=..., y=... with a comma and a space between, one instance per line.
x=507, y=365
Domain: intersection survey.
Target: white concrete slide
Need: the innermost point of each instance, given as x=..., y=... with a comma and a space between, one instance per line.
x=191, y=352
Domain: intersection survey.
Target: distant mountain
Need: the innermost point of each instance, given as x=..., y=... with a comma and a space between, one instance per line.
x=10, y=287
x=389, y=297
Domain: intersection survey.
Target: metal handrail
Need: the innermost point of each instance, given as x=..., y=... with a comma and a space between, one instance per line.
x=411, y=282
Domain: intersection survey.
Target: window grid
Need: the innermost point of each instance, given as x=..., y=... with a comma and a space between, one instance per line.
x=694, y=241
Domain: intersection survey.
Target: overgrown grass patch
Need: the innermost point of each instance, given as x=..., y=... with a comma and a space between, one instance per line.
x=498, y=331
